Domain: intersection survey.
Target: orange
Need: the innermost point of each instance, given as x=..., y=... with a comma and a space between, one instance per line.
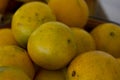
x=50, y=74
x=118, y=59
x=107, y=38
x=6, y=37
x=94, y=65
x=70, y=12
x=12, y=55
x=84, y=40
x=12, y=73
x=52, y=45
x=27, y=18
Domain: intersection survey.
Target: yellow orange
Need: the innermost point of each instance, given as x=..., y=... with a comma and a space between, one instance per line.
x=94, y=65
x=107, y=38
x=84, y=40
x=52, y=45
x=12, y=55
x=29, y=17
x=70, y=12
x=12, y=73
x=118, y=59
x=50, y=74
x=6, y=37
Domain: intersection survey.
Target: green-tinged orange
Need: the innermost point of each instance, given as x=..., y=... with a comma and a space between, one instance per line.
x=27, y=18
x=52, y=45
x=12, y=55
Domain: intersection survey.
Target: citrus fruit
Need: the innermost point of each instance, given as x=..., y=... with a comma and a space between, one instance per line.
x=6, y=37
x=84, y=40
x=50, y=74
x=12, y=55
x=94, y=65
x=118, y=59
x=70, y=12
x=52, y=45
x=27, y=18
x=12, y=73
x=107, y=38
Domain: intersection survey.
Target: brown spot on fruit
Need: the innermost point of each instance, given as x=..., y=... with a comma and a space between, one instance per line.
x=112, y=34
x=73, y=73
x=68, y=40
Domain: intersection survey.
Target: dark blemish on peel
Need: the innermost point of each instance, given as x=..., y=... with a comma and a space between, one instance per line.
x=112, y=34
x=73, y=73
x=68, y=40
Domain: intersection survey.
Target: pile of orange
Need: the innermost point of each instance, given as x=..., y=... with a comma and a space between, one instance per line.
x=48, y=41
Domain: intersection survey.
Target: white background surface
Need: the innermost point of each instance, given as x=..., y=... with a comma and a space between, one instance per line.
x=109, y=9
